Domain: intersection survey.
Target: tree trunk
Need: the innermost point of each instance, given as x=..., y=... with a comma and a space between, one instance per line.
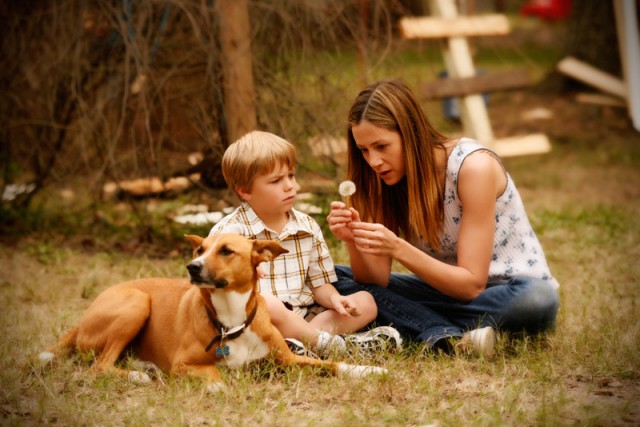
x=237, y=72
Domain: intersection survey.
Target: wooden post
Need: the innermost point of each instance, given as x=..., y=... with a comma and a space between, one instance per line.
x=237, y=71
x=475, y=118
x=629, y=42
x=462, y=81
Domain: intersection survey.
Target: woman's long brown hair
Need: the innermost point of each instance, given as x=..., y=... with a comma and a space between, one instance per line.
x=414, y=206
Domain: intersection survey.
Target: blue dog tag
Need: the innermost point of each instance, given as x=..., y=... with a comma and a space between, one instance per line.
x=222, y=351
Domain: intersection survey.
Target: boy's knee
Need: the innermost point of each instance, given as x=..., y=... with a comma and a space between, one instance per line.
x=368, y=307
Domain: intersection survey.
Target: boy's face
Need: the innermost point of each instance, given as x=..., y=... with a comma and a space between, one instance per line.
x=272, y=193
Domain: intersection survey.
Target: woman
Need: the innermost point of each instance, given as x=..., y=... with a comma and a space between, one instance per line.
x=447, y=210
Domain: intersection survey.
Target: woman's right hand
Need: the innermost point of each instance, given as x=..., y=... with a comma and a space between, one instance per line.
x=339, y=218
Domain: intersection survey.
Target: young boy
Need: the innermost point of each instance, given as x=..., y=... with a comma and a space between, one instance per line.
x=302, y=302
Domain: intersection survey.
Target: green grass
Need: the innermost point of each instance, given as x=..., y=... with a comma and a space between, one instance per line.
x=583, y=200
x=585, y=372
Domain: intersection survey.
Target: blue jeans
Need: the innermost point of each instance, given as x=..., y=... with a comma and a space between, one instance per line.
x=420, y=312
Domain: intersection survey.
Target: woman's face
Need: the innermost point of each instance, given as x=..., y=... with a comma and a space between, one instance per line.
x=382, y=149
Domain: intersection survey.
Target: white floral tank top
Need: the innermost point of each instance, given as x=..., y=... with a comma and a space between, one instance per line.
x=516, y=249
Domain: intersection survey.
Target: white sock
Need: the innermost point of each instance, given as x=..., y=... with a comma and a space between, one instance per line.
x=328, y=342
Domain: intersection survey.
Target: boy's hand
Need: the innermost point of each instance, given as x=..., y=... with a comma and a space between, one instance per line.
x=345, y=306
x=260, y=271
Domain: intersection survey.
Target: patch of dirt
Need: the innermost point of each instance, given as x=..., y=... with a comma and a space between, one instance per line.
x=618, y=397
x=568, y=119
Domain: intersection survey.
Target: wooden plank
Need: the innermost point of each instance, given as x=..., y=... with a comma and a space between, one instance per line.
x=536, y=143
x=592, y=76
x=600, y=99
x=462, y=26
x=446, y=87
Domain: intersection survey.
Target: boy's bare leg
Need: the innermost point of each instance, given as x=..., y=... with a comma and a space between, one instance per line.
x=290, y=324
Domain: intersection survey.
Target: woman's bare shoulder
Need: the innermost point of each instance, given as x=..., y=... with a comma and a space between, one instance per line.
x=482, y=168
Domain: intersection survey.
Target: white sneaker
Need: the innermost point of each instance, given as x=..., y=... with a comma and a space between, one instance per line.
x=298, y=348
x=480, y=342
x=382, y=338
x=331, y=344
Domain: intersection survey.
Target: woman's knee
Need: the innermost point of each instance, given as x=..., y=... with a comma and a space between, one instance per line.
x=534, y=310
x=543, y=298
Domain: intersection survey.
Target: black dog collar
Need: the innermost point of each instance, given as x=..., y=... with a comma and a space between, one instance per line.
x=225, y=332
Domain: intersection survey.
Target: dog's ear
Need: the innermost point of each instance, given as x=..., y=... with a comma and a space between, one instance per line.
x=266, y=250
x=194, y=240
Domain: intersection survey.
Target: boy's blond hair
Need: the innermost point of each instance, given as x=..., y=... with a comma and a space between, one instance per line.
x=256, y=153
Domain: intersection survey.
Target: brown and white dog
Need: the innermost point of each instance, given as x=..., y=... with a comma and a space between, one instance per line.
x=183, y=328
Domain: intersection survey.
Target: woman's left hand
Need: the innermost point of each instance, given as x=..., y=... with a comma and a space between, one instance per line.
x=374, y=239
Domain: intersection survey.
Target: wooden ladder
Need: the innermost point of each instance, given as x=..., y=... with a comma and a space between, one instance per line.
x=462, y=80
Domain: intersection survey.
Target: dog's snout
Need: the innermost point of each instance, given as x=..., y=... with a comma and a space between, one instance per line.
x=194, y=268
x=200, y=275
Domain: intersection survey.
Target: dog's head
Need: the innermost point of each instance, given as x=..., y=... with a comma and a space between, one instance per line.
x=229, y=261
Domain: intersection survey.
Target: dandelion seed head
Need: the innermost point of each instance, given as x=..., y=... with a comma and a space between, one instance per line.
x=347, y=188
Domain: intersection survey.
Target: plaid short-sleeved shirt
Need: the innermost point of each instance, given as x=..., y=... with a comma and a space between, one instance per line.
x=290, y=276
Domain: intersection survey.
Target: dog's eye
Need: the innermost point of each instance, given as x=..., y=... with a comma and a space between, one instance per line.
x=200, y=251
x=225, y=251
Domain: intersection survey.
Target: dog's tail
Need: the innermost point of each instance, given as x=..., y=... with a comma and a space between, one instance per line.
x=64, y=346
x=67, y=342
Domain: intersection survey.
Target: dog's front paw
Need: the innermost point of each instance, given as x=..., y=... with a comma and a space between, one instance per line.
x=359, y=370
x=139, y=377
x=214, y=388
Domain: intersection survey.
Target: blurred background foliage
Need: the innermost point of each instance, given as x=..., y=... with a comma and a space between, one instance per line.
x=112, y=90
